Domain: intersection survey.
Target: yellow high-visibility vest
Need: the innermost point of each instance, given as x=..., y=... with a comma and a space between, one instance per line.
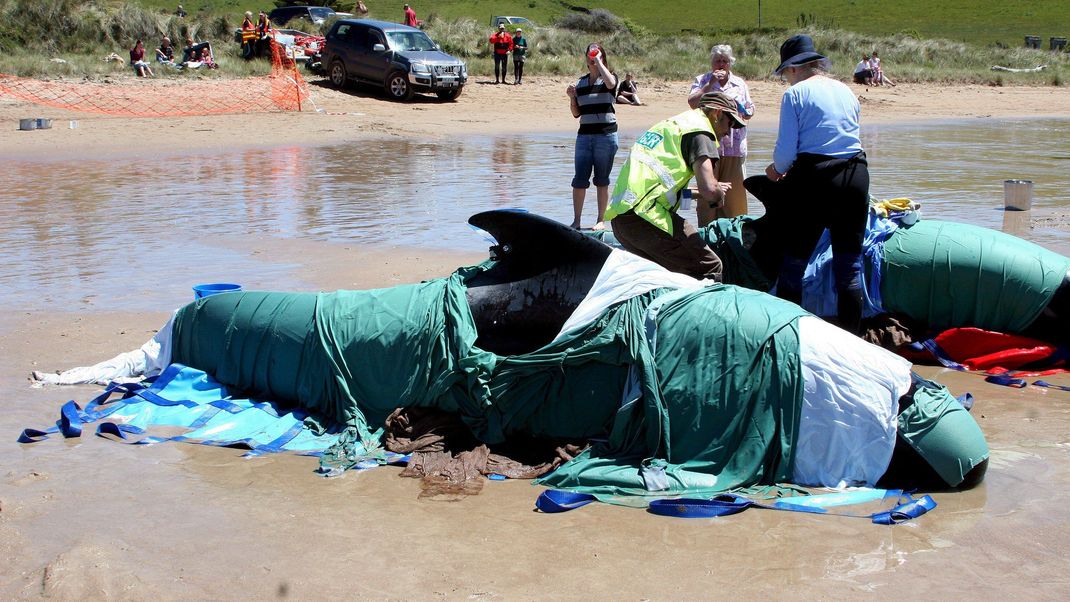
x=656, y=170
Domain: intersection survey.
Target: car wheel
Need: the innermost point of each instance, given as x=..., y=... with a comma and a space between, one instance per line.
x=450, y=94
x=338, y=74
x=397, y=86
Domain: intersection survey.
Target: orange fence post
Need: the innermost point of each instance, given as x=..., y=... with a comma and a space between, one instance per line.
x=297, y=84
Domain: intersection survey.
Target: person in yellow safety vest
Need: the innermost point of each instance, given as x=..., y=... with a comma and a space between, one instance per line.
x=643, y=208
x=248, y=36
x=263, y=26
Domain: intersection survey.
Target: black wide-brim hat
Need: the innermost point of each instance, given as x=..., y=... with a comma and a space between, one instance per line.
x=796, y=51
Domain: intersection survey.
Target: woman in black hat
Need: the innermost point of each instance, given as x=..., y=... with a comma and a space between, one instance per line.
x=819, y=165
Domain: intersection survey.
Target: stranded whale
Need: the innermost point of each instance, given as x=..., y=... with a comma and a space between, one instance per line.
x=681, y=386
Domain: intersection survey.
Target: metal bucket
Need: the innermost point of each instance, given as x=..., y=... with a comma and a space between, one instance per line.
x=27, y=124
x=1018, y=195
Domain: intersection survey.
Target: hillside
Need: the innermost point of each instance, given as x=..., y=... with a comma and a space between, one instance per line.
x=667, y=41
x=981, y=23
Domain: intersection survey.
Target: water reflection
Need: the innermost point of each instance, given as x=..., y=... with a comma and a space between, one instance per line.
x=1017, y=222
x=73, y=232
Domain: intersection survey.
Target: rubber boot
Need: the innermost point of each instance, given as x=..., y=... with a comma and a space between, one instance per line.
x=789, y=283
x=847, y=271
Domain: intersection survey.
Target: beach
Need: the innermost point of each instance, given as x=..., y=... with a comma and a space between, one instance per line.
x=539, y=105
x=90, y=519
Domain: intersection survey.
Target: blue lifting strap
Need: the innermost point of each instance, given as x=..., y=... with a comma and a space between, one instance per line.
x=1006, y=381
x=72, y=416
x=942, y=356
x=1042, y=383
x=559, y=500
x=729, y=503
x=722, y=505
x=556, y=500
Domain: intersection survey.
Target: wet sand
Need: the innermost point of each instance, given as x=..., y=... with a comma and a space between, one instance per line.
x=539, y=105
x=89, y=518
x=94, y=518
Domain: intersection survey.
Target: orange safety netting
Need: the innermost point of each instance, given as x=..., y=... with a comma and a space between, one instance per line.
x=283, y=90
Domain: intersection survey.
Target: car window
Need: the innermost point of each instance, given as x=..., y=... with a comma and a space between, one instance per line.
x=410, y=40
x=320, y=12
x=375, y=37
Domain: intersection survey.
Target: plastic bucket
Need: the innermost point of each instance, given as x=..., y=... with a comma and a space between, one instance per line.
x=1018, y=195
x=27, y=124
x=203, y=290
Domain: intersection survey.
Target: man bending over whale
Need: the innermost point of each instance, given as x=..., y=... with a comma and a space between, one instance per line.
x=645, y=203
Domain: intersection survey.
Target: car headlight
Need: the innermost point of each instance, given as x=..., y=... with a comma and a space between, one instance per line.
x=421, y=68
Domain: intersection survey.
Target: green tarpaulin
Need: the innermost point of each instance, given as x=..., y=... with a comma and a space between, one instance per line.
x=948, y=274
x=943, y=274
x=705, y=383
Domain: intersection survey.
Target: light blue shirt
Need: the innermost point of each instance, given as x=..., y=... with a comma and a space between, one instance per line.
x=820, y=116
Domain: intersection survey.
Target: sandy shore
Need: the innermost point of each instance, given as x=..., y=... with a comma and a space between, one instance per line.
x=93, y=519
x=540, y=105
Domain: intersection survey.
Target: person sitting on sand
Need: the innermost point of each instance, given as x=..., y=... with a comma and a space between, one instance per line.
x=207, y=60
x=201, y=58
x=193, y=49
x=166, y=52
x=864, y=71
x=879, y=78
x=627, y=91
x=137, y=60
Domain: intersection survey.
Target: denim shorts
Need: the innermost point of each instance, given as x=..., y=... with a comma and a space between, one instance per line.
x=594, y=152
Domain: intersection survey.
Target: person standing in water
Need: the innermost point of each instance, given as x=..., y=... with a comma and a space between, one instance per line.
x=818, y=159
x=591, y=101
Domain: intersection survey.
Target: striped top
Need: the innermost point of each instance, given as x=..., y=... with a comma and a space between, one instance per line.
x=596, y=107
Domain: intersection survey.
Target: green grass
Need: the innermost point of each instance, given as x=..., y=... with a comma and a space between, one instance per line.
x=972, y=21
x=34, y=31
x=906, y=59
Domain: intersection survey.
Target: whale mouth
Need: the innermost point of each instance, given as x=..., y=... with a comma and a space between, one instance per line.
x=542, y=270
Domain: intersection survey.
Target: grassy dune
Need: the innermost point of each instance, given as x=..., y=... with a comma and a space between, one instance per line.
x=957, y=41
x=980, y=23
x=971, y=21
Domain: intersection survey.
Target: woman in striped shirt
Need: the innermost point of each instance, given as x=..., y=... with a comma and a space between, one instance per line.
x=591, y=101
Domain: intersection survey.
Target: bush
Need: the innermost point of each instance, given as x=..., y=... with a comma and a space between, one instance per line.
x=52, y=27
x=596, y=21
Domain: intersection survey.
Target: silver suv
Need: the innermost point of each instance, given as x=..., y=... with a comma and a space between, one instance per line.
x=400, y=58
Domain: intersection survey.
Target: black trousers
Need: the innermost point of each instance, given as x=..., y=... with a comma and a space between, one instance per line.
x=832, y=193
x=518, y=71
x=501, y=66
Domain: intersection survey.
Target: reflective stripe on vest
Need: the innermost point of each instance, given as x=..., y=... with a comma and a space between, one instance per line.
x=656, y=170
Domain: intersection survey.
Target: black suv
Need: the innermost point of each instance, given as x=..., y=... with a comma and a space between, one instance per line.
x=317, y=14
x=400, y=58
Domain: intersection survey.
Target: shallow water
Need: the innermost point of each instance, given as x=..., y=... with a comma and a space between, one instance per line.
x=74, y=234
x=181, y=521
